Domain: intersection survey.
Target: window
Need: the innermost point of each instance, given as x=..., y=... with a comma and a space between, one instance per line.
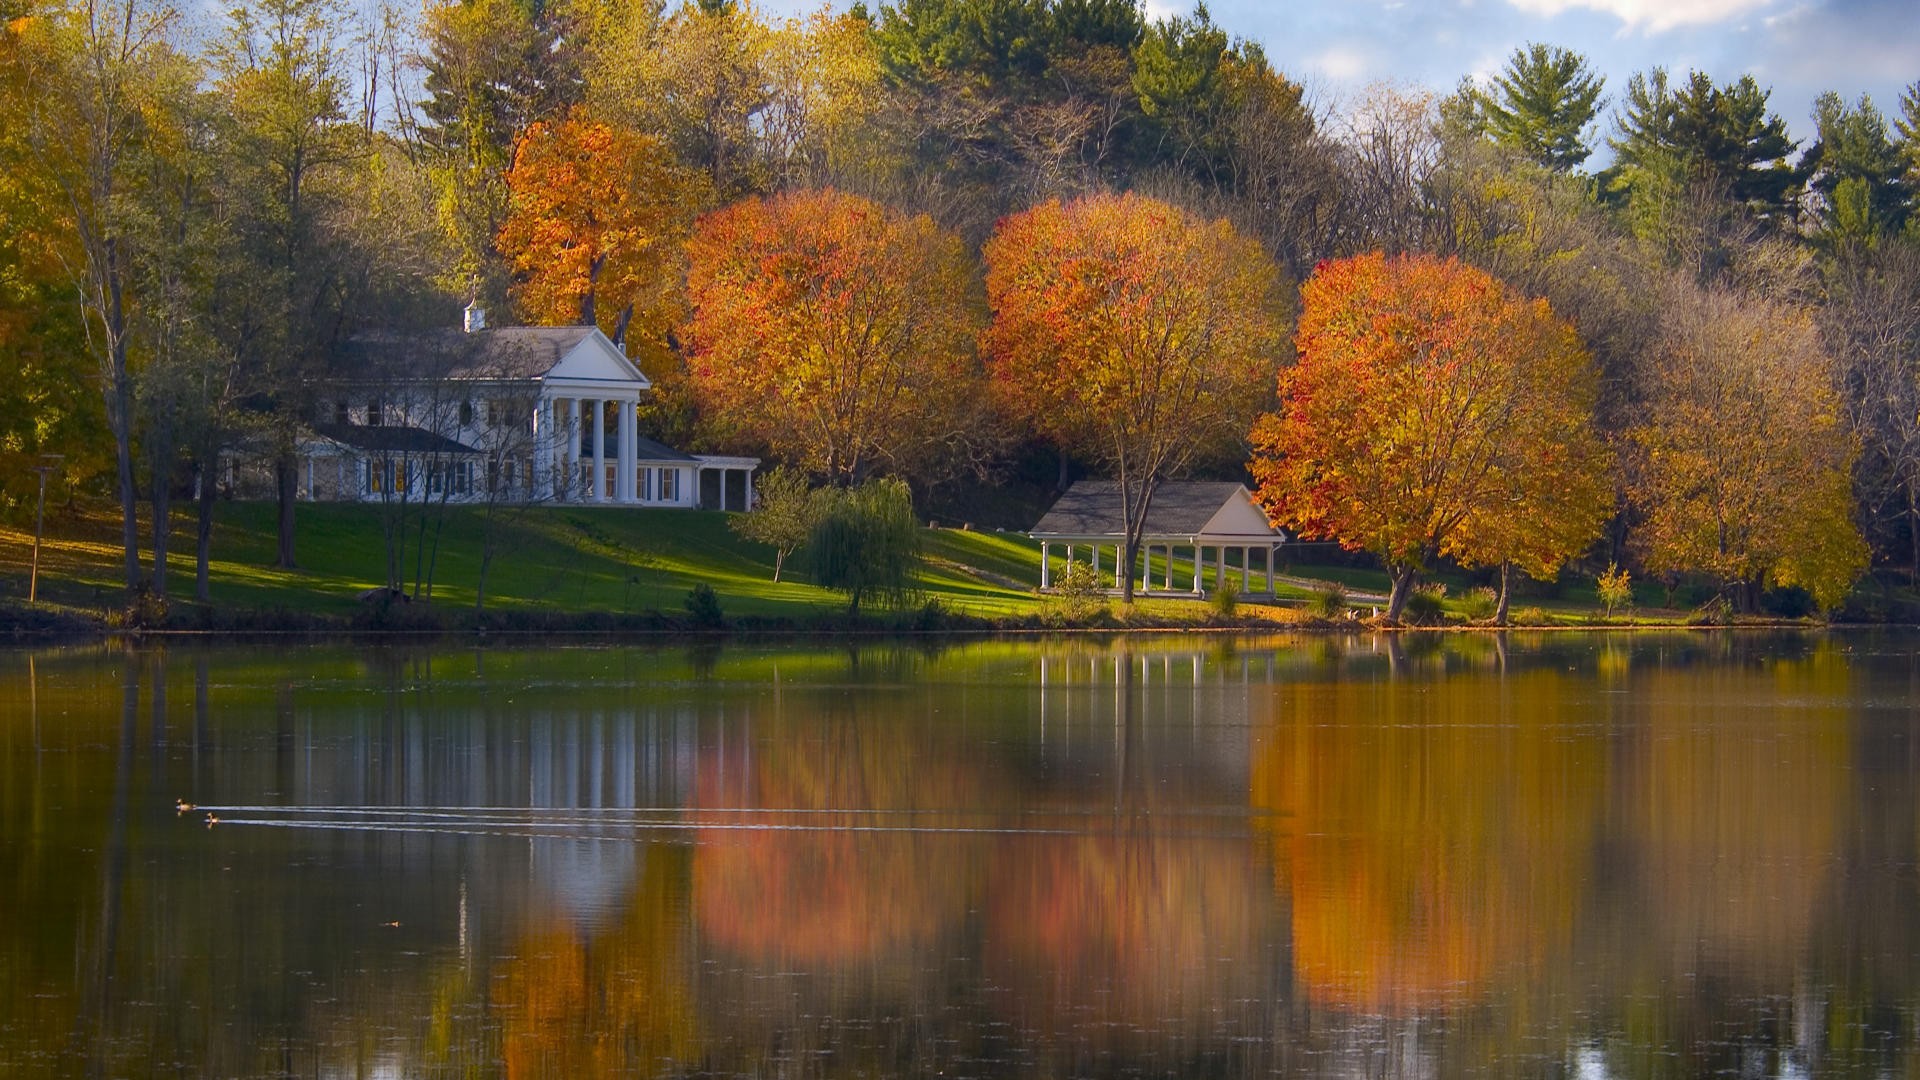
x=669, y=485
x=646, y=484
x=383, y=476
x=374, y=419
x=342, y=415
x=466, y=414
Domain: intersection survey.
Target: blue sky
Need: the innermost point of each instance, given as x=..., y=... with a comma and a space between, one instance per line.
x=1797, y=47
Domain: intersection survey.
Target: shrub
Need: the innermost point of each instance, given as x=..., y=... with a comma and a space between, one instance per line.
x=1225, y=599
x=1481, y=603
x=1530, y=616
x=703, y=607
x=1079, y=593
x=1329, y=601
x=1425, y=606
x=1615, y=588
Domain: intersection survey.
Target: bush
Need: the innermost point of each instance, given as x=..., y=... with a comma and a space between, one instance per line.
x=1225, y=599
x=703, y=607
x=1425, y=606
x=1329, y=601
x=1614, y=587
x=1079, y=593
x=1480, y=604
x=1530, y=616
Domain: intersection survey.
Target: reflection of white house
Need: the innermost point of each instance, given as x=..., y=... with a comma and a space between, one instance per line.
x=525, y=414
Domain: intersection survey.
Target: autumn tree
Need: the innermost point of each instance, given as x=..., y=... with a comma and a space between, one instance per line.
x=1741, y=470
x=1130, y=332
x=593, y=236
x=834, y=331
x=493, y=68
x=103, y=75
x=1434, y=413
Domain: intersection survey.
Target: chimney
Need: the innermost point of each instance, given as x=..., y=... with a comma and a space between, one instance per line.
x=476, y=317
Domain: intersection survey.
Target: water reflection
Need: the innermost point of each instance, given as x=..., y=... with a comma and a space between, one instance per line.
x=1603, y=856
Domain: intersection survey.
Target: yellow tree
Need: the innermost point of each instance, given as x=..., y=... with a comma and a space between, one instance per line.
x=1742, y=467
x=1130, y=331
x=834, y=331
x=595, y=229
x=1434, y=413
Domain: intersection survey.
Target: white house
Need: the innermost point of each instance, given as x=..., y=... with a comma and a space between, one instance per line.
x=524, y=414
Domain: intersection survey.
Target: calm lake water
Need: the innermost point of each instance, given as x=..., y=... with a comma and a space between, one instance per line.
x=1622, y=856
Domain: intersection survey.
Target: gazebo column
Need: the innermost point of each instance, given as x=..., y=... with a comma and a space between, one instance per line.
x=1121, y=570
x=600, y=493
x=1046, y=565
x=1095, y=548
x=1169, y=567
x=1199, y=567
x=1270, y=591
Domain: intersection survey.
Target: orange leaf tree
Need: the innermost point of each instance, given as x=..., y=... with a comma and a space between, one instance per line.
x=594, y=233
x=1434, y=413
x=1132, y=332
x=833, y=330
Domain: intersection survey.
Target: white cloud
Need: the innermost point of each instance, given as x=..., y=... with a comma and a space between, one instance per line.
x=1163, y=9
x=1654, y=16
x=1341, y=63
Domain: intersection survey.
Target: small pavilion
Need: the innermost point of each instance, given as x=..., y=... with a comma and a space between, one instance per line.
x=1196, y=518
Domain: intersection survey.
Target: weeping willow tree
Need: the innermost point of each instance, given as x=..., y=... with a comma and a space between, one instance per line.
x=866, y=543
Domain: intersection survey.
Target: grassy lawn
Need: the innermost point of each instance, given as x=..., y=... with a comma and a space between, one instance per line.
x=619, y=561
x=559, y=559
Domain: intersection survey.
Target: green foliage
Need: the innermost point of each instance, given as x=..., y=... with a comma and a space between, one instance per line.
x=1531, y=616
x=1541, y=105
x=785, y=511
x=1615, y=588
x=1225, y=600
x=866, y=543
x=1426, y=605
x=1079, y=593
x=703, y=607
x=1721, y=138
x=1329, y=601
x=1480, y=604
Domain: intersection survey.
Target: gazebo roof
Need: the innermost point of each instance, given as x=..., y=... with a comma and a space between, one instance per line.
x=1215, y=510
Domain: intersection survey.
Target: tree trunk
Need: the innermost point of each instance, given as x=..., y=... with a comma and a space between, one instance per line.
x=1404, y=578
x=286, y=474
x=120, y=420
x=162, y=499
x=203, y=537
x=1506, y=590
x=1913, y=534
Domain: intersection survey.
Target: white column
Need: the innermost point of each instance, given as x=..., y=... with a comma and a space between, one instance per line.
x=1270, y=570
x=1199, y=568
x=1120, y=572
x=1169, y=567
x=570, y=456
x=629, y=429
x=1046, y=566
x=600, y=451
x=1095, y=547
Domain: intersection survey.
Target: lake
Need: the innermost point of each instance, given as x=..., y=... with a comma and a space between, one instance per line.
x=1587, y=855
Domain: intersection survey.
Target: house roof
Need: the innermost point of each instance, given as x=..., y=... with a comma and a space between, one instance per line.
x=646, y=449
x=512, y=352
x=1221, y=509
x=391, y=439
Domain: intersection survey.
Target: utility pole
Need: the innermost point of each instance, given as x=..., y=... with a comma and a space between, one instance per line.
x=48, y=463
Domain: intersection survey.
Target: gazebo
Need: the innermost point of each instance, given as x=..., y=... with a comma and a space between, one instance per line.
x=1195, y=516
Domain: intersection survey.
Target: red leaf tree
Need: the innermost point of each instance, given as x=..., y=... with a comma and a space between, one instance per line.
x=834, y=331
x=1132, y=332
x=1433, y=412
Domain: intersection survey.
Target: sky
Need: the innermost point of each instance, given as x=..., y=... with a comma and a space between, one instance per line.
x=1798, y=48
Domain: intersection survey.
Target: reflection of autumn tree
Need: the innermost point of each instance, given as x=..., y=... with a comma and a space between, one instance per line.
x=1733, y=802
x=1132, y=926
x=1435, y=846
x=822, y=887
x=575, y=1004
